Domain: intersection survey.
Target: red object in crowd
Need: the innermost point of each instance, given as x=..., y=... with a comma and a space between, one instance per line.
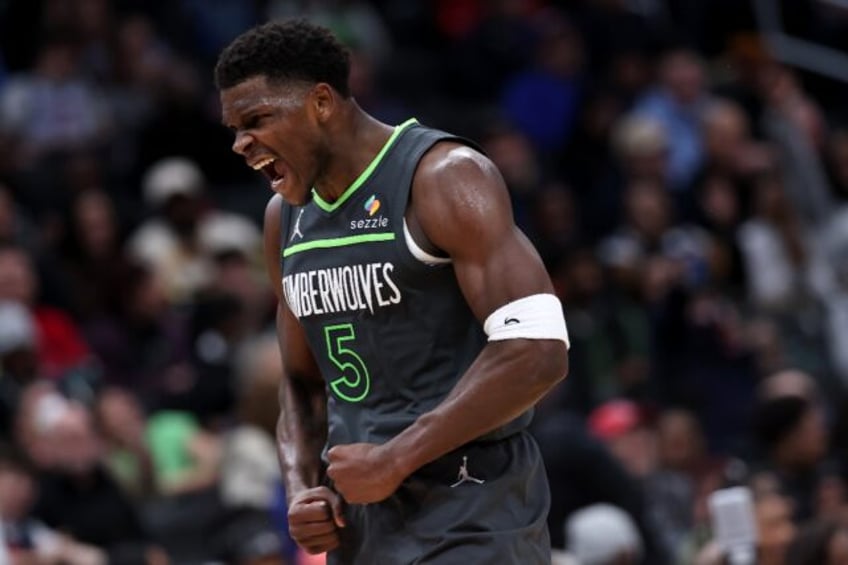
x=614, y=418
x=60, y=343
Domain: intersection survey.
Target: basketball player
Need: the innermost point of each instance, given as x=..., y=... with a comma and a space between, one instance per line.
x=417, y=324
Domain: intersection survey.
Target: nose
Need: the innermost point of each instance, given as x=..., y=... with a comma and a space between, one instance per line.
x=242, y=143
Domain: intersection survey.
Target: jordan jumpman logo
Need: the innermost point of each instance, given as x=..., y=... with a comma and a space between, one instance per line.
x=296, y=230
x=464, y=476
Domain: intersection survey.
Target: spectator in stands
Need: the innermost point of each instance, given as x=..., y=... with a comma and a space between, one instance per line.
x=92, y=253
x=775, y=532
x=123, y=425
x=820, y=543
x=793, y=121
x=641, y=144
x=780, y=264
x=61, y=347
x=250, y=472
x=52, y=108
x=669, y=492
x=639, y=147
x=719, y=210
x=237, y=275
x=142, y=65
x=729, y=149
x=611, y=333
x=792, y=433
x=176, y=242
x=623, y=427
x=678, y=103
x=26, y=538
x=542, y=101
x=687, y=473
x=143, y=343
x=582, y=472
x=775, y=527
x=18, y=359
x=649, y=229
x=77, y=494
x=166, y=453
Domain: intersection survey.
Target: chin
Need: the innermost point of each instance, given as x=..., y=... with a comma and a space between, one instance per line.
x=298, y=199
x=298, y=203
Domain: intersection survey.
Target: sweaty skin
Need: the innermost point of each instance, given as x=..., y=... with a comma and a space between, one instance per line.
x=467, y=215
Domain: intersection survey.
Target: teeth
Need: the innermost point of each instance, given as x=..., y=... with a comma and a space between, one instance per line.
x=263, y=163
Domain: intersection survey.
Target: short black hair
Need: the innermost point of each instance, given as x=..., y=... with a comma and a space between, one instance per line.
x=285, y=50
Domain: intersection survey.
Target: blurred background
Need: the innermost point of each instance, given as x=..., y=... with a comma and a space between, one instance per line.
x=681, y=166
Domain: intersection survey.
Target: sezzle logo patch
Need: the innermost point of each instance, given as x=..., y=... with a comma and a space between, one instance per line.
x=371, y=206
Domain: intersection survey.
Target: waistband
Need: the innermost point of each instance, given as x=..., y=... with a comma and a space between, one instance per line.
x=483, y=459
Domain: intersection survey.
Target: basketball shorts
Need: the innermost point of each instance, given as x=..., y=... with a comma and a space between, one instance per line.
x=484, y=503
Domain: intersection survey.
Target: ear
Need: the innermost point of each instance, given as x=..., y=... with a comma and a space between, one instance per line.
x=323, y=102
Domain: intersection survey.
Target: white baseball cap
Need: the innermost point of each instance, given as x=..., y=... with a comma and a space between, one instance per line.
x=172, y=176
x=598, y=533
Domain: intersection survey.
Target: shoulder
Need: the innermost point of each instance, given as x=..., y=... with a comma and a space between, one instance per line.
x=459, y=194
x=455, y=162
x=456, y=176
x=271, y=239
x=273, y=218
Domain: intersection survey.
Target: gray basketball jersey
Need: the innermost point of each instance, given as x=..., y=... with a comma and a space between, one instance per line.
x=391, y=334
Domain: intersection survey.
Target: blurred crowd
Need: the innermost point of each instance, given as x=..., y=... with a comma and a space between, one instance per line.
x=687, y=192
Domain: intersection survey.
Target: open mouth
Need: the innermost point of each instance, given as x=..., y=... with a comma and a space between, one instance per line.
x=272, y=168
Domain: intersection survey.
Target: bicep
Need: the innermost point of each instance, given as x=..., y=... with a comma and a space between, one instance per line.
x=509, y=270
x=468, y=215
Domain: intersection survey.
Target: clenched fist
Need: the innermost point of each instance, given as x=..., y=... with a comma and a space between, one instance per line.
x=362, y=472
x=314, y=518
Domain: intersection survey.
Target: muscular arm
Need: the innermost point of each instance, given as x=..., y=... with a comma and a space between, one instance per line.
x=462, y=206
x=301, y=428
x=314, y=512
x=302, y=424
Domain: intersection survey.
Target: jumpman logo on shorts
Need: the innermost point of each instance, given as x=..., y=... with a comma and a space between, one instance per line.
x=464, y=476
x=296, y=230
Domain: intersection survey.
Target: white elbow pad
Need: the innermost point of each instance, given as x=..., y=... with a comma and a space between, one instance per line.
x=538, y=316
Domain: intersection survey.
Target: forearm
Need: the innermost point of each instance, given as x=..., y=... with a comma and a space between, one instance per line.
x=507, y=379
x=301, y=433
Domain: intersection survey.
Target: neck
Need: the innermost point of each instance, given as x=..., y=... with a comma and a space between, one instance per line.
x=355, y=140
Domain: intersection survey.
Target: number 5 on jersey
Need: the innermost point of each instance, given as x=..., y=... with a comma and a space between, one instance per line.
x=354, y=383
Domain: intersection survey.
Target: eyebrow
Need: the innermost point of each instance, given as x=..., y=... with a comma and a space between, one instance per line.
x=239, y=107
x=284, y=101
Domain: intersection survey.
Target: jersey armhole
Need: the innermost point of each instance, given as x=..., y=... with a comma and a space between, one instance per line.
x=418, y=252
x=426, y=139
